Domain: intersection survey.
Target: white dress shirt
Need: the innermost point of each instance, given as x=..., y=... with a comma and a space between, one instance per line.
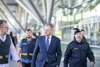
x=12, y=51
x=49, y=39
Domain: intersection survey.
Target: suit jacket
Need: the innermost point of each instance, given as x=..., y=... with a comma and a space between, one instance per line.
x=40, y=53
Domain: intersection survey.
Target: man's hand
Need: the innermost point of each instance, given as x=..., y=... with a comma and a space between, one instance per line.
x=19, y=64
x=92, y=64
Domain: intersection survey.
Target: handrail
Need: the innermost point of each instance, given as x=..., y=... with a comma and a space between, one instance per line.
x=78, y=24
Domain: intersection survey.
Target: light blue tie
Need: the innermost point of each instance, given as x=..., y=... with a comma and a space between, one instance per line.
x=47, y=43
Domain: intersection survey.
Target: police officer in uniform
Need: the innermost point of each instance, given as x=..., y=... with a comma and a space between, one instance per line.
x=77, y=52
x=26, y=48
x=6, y=46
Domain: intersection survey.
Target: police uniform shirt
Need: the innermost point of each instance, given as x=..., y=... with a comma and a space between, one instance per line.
x=21, y=46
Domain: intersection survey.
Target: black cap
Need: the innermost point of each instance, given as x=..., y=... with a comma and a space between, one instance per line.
x=77, y=31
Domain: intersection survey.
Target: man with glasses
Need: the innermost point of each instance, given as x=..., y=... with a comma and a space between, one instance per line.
x=47, y=52
x=6, y=46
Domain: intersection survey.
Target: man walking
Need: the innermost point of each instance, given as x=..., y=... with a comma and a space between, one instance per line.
x=47, y=52
x=6, y=46
x=77, y=52
x=27, y=47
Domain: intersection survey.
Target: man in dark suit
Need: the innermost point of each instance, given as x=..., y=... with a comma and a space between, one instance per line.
x=48, y=49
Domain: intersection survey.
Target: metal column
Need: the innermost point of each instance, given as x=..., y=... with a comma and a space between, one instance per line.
x=4, y=16
x=9, y=12
x=50, y=11
x=37, y=12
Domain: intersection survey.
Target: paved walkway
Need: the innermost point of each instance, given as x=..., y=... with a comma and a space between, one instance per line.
x=95, y=50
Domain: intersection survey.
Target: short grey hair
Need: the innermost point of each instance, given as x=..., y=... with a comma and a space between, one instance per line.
x=51, y=25
x=1, y=22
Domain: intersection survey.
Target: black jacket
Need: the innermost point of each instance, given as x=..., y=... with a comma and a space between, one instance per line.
x=52, y=56
x=76, y=54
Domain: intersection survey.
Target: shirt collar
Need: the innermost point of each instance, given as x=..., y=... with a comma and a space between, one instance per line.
x=49, y=36
x=4, y=38
x=77, y=41
x=30, y=40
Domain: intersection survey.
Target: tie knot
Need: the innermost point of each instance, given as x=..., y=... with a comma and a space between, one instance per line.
x=48, y=37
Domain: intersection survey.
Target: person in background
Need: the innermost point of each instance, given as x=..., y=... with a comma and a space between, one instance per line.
x=83, y=37
x=34, y=36
x=15, y=39
x=6, y=46
x=26, y=48
x=77, y=52
x=74, y=31
x=11, y=35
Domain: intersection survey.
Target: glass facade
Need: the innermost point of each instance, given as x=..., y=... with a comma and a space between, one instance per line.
x=87, y=20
